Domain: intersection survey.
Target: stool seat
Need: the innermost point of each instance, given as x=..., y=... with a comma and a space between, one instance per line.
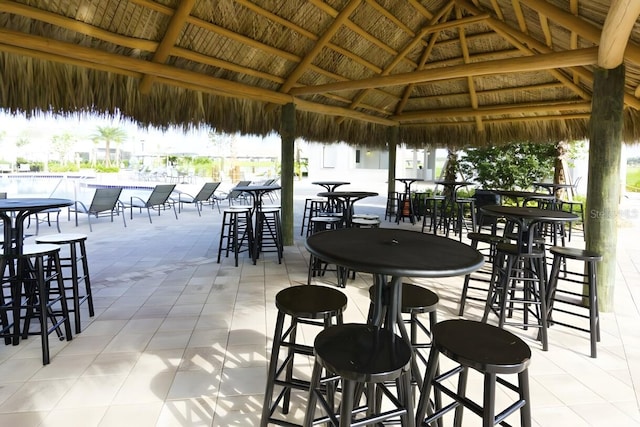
x=61, y=238
x=481, y=346
x=512, y=249
x=362, y=353
x=310, y=302
x=487, y=238
x=575, y=253
x=414, y=298
x=491, y=351
x=318, y=306
x=32, y=249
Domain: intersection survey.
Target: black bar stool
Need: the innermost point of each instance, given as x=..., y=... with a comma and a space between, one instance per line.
x=584, y=296
x=38, y=293
x=363, y=357
x=268, y=233
x=75, y=270
x=416, y=300
x=391, y=208
x=318, y=267
x=310, y=305
x=488, y=350
x=519, y=278
x=236, y=233
x=483, y=276
x=308, y=211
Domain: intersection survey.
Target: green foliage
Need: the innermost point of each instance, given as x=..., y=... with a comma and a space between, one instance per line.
x=66, y=167
x=511, y=167
x=107, y=169
x=633, y=178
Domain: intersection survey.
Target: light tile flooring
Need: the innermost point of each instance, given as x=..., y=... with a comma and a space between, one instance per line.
x=179, y=340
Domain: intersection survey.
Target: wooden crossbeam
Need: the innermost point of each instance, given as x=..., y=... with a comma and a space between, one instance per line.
x=168, y=41
x=548, y=61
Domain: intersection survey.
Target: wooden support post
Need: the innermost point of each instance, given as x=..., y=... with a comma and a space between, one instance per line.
x=603, y=190
x=287, y=152
x=393, y=133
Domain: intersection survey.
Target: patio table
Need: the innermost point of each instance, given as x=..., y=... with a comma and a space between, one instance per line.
x=346, y=200
x=390, y=255
x=405, y=207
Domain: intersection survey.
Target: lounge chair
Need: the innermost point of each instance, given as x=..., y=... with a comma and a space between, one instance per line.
x=105, y=201
x=160, y=198
x=205, y=193
x=236, y=195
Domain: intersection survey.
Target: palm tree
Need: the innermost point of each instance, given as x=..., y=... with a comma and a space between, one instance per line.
x=108, y=134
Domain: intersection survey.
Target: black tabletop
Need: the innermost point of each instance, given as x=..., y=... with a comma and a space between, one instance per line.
x=526, y=213
x=456, y=183
x=257, y=188
x=34, y=204
x=331, y=183
x=347, y=194
x=409, y=179
x=395, y=252
x=523, y=194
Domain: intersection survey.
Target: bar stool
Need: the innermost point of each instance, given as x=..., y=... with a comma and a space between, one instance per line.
x=362, y=357
x=318, y=208
x=236, y=234
x=308, y=212
x=391, y=208
x=484, y=348
x=268, y=233
x=585, y=296
x=365, y=223
x=40, y=294
x=318, y=306
x=464, y=205
x=482, y=276
x=433, y=210
x=416, y=300
x=318, y=267
x=75, y=270
x=519, y=277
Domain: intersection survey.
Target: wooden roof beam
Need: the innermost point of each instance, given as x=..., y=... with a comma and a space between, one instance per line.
x=616, y=31
x=572, y=58
x=470, y=84
x=582, y=27
x=425, y=54
x=432, y=26
x=526, y=44
x=40, y=47
x=455, y=113
x=546, y=117
x=168, y=41
x=338, y=22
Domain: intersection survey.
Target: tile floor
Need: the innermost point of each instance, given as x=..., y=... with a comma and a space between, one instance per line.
x=179, y=340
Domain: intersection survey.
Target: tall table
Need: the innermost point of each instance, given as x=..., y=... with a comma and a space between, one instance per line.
x=346, y=199
x=448, y=210
x=521, y=197
x=15, y=211
x=390, y=255
x=256, y=192
x=528, y=220
x=405, y=207
x=330, y=185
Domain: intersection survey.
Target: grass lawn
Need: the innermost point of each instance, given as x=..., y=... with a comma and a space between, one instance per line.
x=633, y=178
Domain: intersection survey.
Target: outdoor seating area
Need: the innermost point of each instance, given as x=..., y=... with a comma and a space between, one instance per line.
x=190, y=323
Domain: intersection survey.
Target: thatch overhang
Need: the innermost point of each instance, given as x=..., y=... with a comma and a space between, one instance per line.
x=446, y=72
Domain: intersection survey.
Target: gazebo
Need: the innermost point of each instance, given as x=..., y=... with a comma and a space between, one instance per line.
x=377, y=73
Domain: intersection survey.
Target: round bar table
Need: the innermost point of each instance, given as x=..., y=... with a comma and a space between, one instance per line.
x=346, y=199
x=524, y=196
x=406, y=201
x=390, y=255
x=14, y=211
x=256, y=192
x=330, y=185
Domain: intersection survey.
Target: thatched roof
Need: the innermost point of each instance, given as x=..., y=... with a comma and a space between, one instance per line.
x=447, y=72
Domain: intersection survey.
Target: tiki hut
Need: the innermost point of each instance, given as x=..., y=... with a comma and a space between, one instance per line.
x=368, y=72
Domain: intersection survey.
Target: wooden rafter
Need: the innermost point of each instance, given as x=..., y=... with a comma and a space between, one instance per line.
x=515, y=110
x=470, y=84
x=574, y=58
x=425, y=54
x=175, y=76
x=168, y=41
x=511, y=119
x=427, y=29
x=342, y=17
